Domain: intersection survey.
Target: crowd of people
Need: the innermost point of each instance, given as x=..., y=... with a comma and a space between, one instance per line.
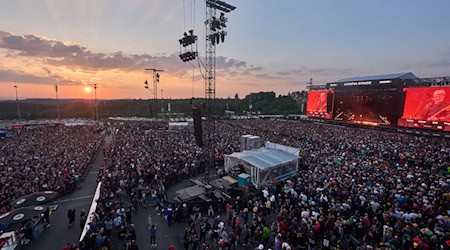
x=51, y=157
x=356, y=188
x=141, y=162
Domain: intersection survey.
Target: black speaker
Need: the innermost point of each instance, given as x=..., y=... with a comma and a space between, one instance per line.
x=330, y=97
x=198, y=130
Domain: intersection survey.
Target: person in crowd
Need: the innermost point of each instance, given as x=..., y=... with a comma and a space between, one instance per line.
x=152, y=232
x=71, y=216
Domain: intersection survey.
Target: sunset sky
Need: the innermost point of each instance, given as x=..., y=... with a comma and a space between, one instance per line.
x=271, y=45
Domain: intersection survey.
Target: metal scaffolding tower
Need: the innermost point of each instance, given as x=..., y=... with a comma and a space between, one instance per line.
x=215, y=34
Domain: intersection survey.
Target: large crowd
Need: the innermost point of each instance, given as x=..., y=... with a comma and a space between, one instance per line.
x=45, y=158
x=356, y=188
x=141, y=162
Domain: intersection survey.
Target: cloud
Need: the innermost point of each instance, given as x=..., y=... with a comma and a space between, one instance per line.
x=18, y=76
x=443, y=62
x=252, y=68
x=298, y=72
x=225, y=62
x=54, y=54
x=440, y=64
x=405, y=67
x=34, y=46
x=74, y=56
x=319, y=70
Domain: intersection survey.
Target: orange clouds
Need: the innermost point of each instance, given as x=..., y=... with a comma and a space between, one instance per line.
x=34, y=61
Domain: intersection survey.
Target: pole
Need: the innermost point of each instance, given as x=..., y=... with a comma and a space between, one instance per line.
x=91, y=103
x=162, y=99
x=57, y=101
x=95, y=102
x=17, y=100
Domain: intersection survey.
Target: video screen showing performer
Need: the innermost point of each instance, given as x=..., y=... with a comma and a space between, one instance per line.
x=316, y=105
x=369, y=107
x=427, y=104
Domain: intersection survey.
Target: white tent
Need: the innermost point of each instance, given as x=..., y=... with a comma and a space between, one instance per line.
x=178, y=125
x=264, y=164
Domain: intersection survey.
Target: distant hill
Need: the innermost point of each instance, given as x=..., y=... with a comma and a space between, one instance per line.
x=263, y=102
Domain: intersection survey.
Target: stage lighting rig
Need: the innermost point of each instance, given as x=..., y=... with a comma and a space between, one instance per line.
x=217, y=38
x=188, y=40
x=188, y=56
x=222, y=6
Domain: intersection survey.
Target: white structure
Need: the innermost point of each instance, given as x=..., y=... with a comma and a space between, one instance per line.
x=178, y=125
x=273, y=162
x=249, y=142
x=244, y=139
x=253, y=142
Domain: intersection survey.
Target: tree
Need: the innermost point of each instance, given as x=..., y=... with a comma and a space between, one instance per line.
x=236, y=96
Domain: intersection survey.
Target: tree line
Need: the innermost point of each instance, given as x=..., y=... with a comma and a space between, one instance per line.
x=266, y=103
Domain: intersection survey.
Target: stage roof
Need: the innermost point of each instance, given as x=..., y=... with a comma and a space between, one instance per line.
x=401, y=76
x=264, y=158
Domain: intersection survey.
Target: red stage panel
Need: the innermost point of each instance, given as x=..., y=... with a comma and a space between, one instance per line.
x=427, y=108
x=317, y=104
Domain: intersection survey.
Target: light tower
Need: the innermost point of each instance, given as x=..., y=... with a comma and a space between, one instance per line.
x=215, y=34
x=57, y=101
x=95, y=102
x=156, y=77
x=17, y=101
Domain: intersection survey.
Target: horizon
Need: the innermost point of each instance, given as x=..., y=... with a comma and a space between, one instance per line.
x=269, y=47
x=146, y=99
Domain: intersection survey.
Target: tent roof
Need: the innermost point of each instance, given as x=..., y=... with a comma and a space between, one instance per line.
x=402, y=76
x=264, y=158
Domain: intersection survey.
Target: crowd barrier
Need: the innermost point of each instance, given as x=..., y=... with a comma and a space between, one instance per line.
x=91, y=211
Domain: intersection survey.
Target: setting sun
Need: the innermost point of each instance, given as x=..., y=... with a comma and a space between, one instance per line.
x=87, y=89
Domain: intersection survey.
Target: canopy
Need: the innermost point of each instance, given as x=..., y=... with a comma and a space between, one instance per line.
x=23, y=213
x=264, y=158
x=274, y=162
x=401, y=76
x=35, y=199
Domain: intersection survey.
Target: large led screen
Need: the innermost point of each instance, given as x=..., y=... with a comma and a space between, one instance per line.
x=370, y=107
x=317, y=106
x=427, y=108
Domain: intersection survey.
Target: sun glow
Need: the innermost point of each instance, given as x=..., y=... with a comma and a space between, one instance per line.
x=87, y=89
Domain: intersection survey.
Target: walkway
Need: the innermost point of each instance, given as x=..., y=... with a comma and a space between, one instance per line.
x=59, y=234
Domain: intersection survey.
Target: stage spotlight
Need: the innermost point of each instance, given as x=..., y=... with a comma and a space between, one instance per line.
x=188, y=39
x=223, y=20
x=188, y=56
